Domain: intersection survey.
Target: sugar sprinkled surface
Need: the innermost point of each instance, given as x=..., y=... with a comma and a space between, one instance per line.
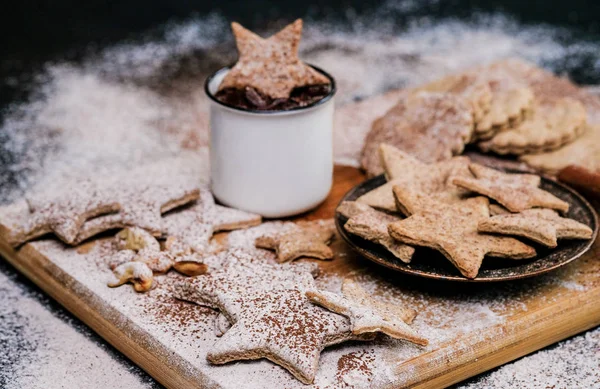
x=127, y=105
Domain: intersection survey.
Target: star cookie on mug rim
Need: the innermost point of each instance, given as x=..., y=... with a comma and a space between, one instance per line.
x=271, y=66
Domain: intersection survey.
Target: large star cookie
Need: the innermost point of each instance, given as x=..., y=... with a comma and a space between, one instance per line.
x=406, y=171
x=366, y=314
x=430, y=126
x=452, y=230
x=551, y=126
x=64, y=211
x=584, y=152
x=271, y=65
x=372, y=225
x=270, y=316
x=544, y=226
x=516, y=192
x=309, y=239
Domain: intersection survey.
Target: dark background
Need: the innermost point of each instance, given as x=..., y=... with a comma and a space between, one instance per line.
x=35, y=31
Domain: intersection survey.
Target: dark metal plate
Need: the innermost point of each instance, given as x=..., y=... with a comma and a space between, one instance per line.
x=432, y=264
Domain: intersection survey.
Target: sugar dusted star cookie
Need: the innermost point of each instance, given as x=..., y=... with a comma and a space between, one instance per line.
x=309, y=239
x=269, y=314
x=271, y=66
x=366, y=314
x=516, y=192
x=64, y=211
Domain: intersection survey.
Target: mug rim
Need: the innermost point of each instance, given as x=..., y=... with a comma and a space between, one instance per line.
x=314, y=104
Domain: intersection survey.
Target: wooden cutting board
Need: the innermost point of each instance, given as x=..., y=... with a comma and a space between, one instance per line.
x=474, y=327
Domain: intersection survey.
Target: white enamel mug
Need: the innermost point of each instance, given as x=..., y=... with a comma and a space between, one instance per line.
x=274, y=163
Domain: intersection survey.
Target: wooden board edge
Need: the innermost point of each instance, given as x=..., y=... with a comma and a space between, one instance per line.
x=521, y=335
x=41, y=271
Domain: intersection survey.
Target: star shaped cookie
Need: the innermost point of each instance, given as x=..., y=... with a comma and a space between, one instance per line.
x=145, y=194
x=406, y=171
x=310, y=239
x=366, y=314
x=516, y=192
x=270, y=316
x=453, y=230
x=64, y=211
x=429, y=126
x=372, y=225
x=584, y=151
x=195, y=225
x=544, y=226
x=271, y=65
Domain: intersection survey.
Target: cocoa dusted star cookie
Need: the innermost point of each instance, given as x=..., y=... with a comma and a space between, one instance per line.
x=309, y=239
x=431, y=127
x=269, y=314
x=544, y=226
x=366, y=314
x=516, y=192
x=453, y=230
x=406, y=171
x=270, y=66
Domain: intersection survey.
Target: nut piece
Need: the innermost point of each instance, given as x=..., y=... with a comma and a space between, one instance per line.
x=136, y=239
x=190, y=265
x=137, y=273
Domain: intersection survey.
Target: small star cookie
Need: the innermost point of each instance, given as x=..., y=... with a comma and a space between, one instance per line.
x=430, y=126
x=372, y=225
x=516, y=192
x=453, y=230
x=406, y=171
x=544, y=226
x=271, y=65
x=310, y=239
